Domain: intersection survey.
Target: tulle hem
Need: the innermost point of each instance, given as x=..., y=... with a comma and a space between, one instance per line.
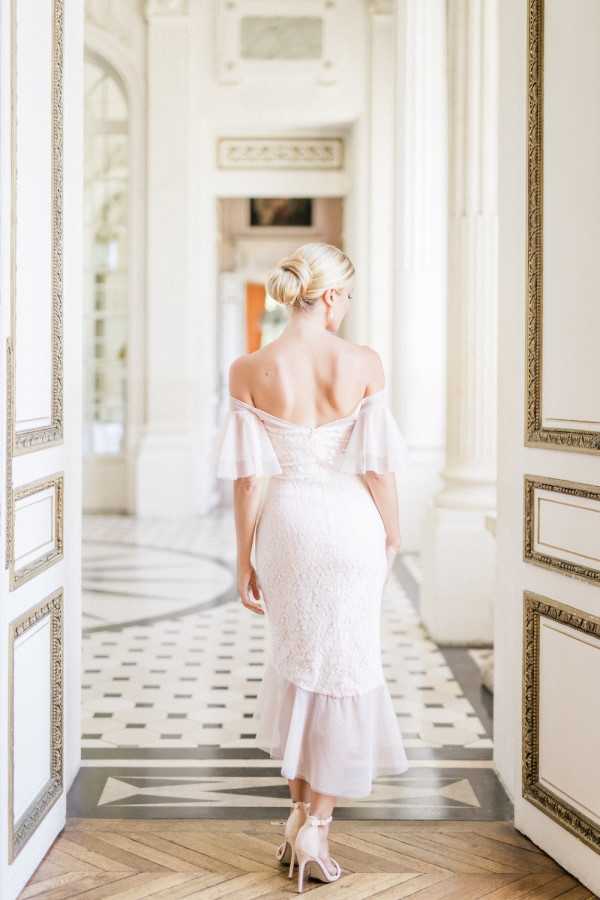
x=339, y=745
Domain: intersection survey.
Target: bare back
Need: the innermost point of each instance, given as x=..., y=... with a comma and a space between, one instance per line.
x=309, y=379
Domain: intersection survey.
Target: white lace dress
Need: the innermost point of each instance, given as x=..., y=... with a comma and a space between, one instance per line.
x=323, y=707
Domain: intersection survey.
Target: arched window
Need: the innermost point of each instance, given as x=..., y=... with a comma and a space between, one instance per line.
x=106, y=240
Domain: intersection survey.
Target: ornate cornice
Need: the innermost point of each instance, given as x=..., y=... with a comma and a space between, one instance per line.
x=155, y=9
x=380, y=7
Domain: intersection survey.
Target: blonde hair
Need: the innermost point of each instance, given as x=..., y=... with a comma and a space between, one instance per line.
x=300, y=279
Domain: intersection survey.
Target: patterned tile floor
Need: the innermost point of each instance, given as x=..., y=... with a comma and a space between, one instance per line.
x=172, y=663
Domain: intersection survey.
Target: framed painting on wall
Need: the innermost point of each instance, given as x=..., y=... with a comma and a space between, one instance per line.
x=276, y=212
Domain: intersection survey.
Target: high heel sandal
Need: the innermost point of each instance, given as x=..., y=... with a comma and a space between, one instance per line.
x=309, y=847
x=297, y=818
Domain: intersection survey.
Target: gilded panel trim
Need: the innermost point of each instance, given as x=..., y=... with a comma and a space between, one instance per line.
x=17, y=577
x=38, y=438
x=19, y=832
x=531, y=483
x=9, y=535
x=535, y=606
x=535, y=433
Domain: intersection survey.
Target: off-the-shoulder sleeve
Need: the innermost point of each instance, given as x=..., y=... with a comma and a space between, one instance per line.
x=243, y=446
x=376, y=444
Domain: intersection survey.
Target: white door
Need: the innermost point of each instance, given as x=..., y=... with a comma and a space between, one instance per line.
x=41, y=57
x=547, y=656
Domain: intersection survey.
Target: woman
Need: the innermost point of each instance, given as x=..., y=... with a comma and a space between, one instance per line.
x=310, y=411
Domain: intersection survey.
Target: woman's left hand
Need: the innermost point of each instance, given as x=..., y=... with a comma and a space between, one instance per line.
x=247, y=586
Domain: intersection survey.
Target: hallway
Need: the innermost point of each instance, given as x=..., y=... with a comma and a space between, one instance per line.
x=171, y=665
x=175, y=800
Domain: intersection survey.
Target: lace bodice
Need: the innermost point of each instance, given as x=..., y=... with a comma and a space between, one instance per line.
x=255, y=442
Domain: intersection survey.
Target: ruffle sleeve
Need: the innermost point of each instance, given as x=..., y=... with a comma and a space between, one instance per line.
x=376, y=444
x=243, y=446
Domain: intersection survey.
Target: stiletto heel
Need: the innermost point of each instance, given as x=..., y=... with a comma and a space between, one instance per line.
x=301, y=876
x=297, y=817
x=309, y=848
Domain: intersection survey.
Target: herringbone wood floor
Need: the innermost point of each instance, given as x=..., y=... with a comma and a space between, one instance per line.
x=211, y=859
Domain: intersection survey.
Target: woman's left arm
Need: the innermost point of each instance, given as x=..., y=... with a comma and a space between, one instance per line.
x=247, y=493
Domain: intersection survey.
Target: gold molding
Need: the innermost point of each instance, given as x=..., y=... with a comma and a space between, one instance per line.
x=19, y=832
x=535, y=606
x=535, y=433
x=48, y=435
x=10, y=511
x=566, y=488
x=17, y=577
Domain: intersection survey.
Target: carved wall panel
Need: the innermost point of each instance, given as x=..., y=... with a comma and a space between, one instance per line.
x=36, y=665
x=35, y=528
x=563, y=228
x=558, y=773
x=562, y=526
x=36, y=391
x=254, y=34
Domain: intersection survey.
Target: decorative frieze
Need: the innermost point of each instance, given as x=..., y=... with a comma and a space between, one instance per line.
x=280, y=153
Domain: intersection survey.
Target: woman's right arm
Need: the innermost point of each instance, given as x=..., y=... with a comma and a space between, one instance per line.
x=382, y=486
x=384, y=492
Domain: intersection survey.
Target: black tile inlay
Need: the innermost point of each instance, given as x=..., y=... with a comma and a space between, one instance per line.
x=491, y=801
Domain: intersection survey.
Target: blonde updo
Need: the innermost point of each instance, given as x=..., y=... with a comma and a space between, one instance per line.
x=300, y=279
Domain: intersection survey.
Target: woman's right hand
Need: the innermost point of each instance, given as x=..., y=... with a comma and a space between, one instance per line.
x=393, y=543
x=392, y=547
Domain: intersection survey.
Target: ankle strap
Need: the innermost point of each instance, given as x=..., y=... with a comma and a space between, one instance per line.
x=315, y=820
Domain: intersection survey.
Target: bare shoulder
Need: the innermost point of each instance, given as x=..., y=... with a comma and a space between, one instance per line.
x=240, y=377
x=373, y=368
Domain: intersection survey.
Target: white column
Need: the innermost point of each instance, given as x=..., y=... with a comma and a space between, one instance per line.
x=458, y=552
x=164, y=476
x=381, y=179
x=419, y=286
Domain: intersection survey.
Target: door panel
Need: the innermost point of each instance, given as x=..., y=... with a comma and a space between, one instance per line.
x=40, y=294
x=547, y=629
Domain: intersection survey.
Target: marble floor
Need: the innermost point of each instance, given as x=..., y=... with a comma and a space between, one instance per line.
x=172, y=662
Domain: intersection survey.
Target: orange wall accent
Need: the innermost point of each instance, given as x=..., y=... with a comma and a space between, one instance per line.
x=255, y=307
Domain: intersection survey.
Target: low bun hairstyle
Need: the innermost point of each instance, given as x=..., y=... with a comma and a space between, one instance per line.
x=300, y=279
